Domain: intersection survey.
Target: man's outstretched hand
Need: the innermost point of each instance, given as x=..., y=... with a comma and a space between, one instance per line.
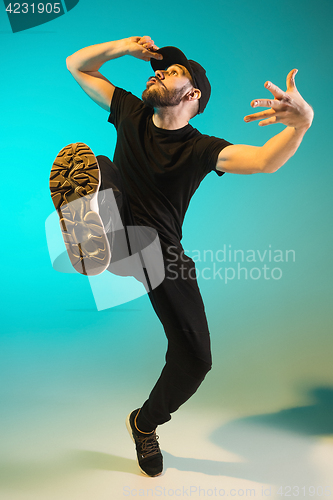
x=142, y=47
x=288, y=107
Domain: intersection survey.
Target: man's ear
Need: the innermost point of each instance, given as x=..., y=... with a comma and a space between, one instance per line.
x=194, y=94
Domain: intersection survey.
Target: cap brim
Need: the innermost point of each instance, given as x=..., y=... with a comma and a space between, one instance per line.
x=171, y=55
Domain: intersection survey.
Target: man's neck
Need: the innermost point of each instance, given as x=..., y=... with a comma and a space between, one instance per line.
x=169, y=118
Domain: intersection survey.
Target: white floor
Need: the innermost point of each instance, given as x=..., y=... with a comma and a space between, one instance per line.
x=75, y=453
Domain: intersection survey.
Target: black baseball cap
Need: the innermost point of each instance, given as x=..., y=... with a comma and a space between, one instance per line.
x=172, y=55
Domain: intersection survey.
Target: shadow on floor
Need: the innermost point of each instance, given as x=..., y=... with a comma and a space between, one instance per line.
x=86, y=459
x=279, y=447
x=26, y=475
x=274, y=448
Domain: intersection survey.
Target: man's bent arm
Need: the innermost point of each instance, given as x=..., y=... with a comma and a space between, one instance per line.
x=243, y=159
x=85, y=63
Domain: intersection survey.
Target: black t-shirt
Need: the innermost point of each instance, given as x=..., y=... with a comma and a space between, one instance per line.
x=161, y=169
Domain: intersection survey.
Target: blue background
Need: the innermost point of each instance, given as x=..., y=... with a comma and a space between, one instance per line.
x=272, y=342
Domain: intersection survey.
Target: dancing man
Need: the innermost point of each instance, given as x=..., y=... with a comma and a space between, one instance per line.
x=159, y=162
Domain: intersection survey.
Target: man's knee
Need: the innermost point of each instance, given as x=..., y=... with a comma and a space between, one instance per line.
x=195, y=367
x=204, y=368
x=102, y=158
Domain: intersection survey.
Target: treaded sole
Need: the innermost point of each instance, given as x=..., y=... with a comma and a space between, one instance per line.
x=129, y=428
x=74, y=184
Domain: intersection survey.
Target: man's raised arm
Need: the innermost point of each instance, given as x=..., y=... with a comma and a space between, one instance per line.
x=288, y=108
x=85, y=63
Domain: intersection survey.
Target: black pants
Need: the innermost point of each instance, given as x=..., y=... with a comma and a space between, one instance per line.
x=178, y=304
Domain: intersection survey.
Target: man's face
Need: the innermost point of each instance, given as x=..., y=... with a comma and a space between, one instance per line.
x=168, y=87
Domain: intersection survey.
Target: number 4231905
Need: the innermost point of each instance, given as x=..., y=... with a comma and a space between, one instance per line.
x=39, y=8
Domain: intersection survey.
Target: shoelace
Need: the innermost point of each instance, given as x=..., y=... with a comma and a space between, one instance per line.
x=148, y=445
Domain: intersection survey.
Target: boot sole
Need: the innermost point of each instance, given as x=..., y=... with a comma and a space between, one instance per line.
x=74, y=183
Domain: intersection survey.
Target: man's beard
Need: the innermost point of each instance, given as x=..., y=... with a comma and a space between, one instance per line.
x=162, y=97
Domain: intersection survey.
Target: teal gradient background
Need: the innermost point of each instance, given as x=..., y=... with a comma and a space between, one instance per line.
x=66, y=369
